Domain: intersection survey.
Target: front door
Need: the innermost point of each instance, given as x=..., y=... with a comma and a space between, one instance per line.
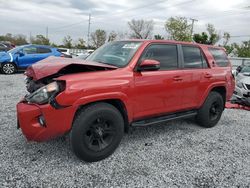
x=158, y=92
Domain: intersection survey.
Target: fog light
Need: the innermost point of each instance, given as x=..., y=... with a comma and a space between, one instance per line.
x=41, y=120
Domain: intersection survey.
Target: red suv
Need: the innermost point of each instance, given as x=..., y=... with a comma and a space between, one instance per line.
x=123, y=84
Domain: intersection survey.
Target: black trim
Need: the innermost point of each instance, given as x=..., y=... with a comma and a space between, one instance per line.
x=165, y=118
x=55, y=104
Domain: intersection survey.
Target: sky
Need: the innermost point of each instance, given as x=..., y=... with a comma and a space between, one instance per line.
x=70, y=17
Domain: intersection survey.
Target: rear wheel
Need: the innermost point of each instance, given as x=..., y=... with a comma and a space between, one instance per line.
x=210, y=113
x=96, y=132
x=8, y=68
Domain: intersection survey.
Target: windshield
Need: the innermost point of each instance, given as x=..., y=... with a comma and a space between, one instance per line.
x=117, y=53
x=14, y=50
x=245, y=69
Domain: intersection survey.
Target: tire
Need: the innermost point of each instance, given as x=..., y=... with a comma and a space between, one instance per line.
x=96, y=132
x=8, y=68
x=210, y=113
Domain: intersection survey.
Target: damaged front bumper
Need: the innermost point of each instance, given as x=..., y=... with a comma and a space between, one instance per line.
x=43, y=122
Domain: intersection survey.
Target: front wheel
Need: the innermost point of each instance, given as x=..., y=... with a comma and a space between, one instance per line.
x=8, y=68
x=96, y=132
x=210, y=113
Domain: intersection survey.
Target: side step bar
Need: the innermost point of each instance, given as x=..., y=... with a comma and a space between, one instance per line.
x=154, y=120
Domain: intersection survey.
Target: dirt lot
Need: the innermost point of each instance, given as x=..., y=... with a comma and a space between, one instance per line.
x=177, y=154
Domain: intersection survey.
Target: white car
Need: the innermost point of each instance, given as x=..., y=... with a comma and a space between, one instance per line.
x=242, y=88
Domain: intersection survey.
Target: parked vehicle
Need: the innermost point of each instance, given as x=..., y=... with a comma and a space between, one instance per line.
x=85, y=54
x=123, y=84
x=242, y=89
x=6, y=46
x=65, y=52
x=24, y=56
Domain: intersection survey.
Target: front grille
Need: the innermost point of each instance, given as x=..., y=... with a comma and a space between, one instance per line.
x=247, y=86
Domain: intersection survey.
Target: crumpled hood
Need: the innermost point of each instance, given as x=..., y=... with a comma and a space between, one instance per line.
x=53, y=65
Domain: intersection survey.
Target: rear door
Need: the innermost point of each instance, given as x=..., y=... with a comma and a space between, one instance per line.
x=158, y=92
x=196, y=75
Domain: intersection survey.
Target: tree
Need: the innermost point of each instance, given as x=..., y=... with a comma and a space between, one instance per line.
x=158, y=37
x=112, y=36
x=239, y=50
x=15, y=39
x=80, y=43
x=40, y=39
x=209, y=37
x=67, y=41
x=226, y=37
x=141, y=29
x=178, y=28
x=98, y=38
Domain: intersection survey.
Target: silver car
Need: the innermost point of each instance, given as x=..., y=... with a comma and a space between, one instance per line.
x=242, y=89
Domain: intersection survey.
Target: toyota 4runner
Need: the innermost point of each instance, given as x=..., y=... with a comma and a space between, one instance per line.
x=123, y=84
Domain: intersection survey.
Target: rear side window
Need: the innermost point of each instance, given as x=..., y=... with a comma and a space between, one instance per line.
x=220, y=57
x=193, y=57
x=30, y=50
x=41, y=50
x=166, y=54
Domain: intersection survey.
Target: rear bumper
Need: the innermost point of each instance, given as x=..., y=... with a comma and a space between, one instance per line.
x=57, y=121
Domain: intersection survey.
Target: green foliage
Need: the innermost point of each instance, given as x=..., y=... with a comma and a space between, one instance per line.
x=80, y=44
x=240, y=50
x=15, y=39
x=209, y=38
x=67, y=41
x=158, y=37
x=98, y=38
x=178, y=28
x=112, y=36
x=141, y=29
x=40, y=39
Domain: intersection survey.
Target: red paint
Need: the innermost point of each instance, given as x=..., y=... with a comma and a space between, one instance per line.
x=144, y=94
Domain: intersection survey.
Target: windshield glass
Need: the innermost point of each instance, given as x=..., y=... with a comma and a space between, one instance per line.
x=14, y=50
x=116, y=53
x=245, y=69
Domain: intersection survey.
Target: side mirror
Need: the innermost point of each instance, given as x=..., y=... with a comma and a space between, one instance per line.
x=20, y=54
x=149, y=65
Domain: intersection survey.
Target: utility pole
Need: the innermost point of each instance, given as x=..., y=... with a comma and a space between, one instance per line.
x=192, y=27
x=47, y=32
x=30, y=37
x=88, y=30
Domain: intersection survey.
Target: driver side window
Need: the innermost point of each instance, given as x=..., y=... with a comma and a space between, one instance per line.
x=166, y=54
x=30, y=50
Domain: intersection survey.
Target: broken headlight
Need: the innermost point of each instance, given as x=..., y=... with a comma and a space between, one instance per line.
x=45, y=93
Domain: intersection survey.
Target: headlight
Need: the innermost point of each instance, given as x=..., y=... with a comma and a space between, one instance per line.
x=43, y=95
x=239, y=84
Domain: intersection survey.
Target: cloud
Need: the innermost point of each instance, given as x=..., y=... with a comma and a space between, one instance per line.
x=70, y=17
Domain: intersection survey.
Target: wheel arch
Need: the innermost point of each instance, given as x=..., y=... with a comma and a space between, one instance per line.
x=221, y=89
x=117, y=103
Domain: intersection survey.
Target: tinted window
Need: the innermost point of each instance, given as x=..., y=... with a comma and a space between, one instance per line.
x=30, y=50
x=166, y=54
x=220, y=57
x=193, y=57
x=41, y=50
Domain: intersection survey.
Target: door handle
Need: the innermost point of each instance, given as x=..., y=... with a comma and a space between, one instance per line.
x=177, y=78
x=207, y=75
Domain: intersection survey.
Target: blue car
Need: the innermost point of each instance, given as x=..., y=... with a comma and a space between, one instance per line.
x=23, y=56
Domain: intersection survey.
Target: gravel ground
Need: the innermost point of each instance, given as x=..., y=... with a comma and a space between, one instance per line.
x=177, y=154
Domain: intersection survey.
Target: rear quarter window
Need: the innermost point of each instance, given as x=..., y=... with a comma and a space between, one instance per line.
x=219, y=56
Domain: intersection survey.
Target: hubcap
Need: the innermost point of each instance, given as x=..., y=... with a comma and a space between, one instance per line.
x=8, y=68
x=214, y=111
x=99, y=135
